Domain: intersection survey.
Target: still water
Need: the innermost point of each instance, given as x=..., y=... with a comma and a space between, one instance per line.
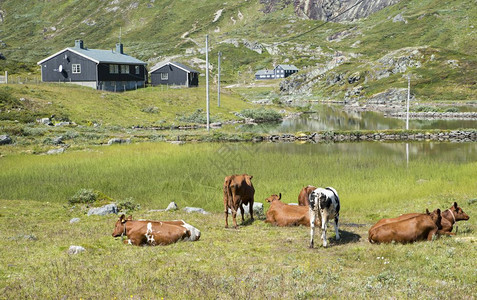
x=334, y=118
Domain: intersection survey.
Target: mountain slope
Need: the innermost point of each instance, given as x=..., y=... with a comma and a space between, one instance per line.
x=259, y=34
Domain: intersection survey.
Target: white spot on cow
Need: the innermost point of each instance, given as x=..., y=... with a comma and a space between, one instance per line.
x=129, y=242
x=150, y=235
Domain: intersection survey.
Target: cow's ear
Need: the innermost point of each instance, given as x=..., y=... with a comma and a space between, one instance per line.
x=438, y=212
x=122, y=217
x=251, y=176
x=130, y=218
x=427, y=211
x=455, y=205
x=279, y=196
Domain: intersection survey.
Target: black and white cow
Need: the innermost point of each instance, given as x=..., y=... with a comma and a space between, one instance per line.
x=325, y=204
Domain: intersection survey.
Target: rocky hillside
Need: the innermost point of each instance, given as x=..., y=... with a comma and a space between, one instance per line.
x=369, y=50
x=340, y=10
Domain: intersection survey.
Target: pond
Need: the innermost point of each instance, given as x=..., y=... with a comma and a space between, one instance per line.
x=330, y=117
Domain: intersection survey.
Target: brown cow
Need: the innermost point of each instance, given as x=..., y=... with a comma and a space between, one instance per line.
x=304, y=194
x=449, y=218
x=145, y=232
x=418, y=228
x=282, y=214
x=238, y=191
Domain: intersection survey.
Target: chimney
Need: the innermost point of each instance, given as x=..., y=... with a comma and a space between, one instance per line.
x=119, y=48
x=79, y=44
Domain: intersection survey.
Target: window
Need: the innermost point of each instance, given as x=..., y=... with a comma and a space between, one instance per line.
x=76, y=68
x=164, y=76
x=113, y=69
x=124, y=69
x=138, y=70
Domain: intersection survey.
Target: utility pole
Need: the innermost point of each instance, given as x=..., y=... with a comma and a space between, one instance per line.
x=207, y=78
x=218, y=80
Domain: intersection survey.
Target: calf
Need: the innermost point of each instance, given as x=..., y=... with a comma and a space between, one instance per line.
x=238, y=191
x=417, y=228
x=304, y=194
x=282, y=214
x=145, y=232
x=324, y=204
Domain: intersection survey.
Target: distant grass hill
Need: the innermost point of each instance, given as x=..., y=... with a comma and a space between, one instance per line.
x=352, y=60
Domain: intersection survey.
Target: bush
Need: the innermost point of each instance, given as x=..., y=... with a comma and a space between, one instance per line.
x=197, y=117
x=128, y=205
x=83, y=196
x=261, y=115
x=150, y=110
x=7, y=100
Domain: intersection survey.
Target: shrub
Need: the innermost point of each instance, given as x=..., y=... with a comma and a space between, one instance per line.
x=83, y=196
x=128, y=205
x=197, y=117
x=150, y=110
x=261, y=115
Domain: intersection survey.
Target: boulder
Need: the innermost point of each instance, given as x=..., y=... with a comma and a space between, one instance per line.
x=74, y=220
x=257, y=209
x=5, y=139
x=76, y=249
x=172, y=206
x=55, y=151
x=104, y=210
x=119, y=141
x=195, y=210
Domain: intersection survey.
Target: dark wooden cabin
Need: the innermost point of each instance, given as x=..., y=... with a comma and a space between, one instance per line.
x=174, y=73
x=110, y=70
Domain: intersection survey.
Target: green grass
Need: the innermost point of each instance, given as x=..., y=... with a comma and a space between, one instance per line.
x=255, y=262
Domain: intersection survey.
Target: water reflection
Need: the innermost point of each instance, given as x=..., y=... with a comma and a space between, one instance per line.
x=396, y=152
x=334, y=118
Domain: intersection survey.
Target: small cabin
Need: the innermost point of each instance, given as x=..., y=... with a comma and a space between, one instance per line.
x=280, y=71
x=174, y=73
x=109, y=70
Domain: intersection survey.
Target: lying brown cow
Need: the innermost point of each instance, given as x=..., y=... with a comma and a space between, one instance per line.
x=449, y=218
x=238, y=191
x=282, y=214
x=304, y=194
x=417, y=228
x=152, y=233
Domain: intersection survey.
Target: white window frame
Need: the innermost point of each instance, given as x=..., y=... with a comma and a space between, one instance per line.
x=76, y=68
x=124, y=69
x=138, y=70
x=164, y=76
x=113, y=69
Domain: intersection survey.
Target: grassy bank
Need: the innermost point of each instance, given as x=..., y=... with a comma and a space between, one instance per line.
x=255, y=262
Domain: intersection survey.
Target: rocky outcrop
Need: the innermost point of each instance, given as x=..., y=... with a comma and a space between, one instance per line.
x=339, y=10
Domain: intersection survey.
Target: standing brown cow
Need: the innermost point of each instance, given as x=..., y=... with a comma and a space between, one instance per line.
x=304, y=194
x=418, y=228
x=238, y=191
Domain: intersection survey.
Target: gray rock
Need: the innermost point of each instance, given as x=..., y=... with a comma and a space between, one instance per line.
x=195, y=210
x=74, y=220
x=172, y=206
x=76, y=249
x=5, y=139
x=257, y=209
x=119, y=141
x=45, y=121
x=57, y=140
x=399, y=18
x=104, y=210
x=55, y=151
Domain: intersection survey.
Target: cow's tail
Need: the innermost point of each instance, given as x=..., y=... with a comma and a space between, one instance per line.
x=227, y=192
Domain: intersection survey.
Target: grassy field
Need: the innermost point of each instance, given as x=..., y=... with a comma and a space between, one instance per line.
x=255, y=262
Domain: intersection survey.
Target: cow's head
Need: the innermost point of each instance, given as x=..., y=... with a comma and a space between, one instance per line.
x=459, y=214
x=274, y=197
x=120, y=226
